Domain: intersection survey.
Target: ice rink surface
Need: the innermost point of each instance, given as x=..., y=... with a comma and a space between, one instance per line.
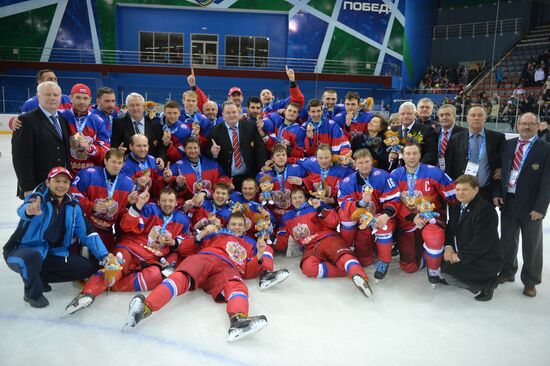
x=311, y=322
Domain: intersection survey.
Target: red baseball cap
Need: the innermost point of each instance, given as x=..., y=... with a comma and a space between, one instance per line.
x=235, y=90
x=59, y=170
x=81, y=88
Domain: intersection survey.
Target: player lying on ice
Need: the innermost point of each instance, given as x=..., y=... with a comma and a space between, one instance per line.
x=227, y=256
x=151, y=234
x=325, y=253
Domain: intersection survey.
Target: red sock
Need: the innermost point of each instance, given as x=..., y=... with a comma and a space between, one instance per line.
x=350, y=265
x=176, y=284
x=236, y=295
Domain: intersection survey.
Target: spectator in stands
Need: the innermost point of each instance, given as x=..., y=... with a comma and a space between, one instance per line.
x=543, y=131
x=495, y=108
x=546, y=96
x=509, y=114
x=546, y=85
x=518, y=91
x=499, y=77
x=528, y=104
x=539, y=75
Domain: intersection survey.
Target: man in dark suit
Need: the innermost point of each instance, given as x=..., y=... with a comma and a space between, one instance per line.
x=424, y=110
x=407, y=115
x=236, y=146
x=42, y=141
x=523, y=196
x=473, y=252
x=446, y=129
x=476, y=152
x=134, y=122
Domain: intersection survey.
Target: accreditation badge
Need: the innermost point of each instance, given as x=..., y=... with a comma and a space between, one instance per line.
x=471, y=169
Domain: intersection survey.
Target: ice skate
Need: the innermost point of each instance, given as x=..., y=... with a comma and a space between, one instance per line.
x=137, y=311
x=80, y=302
x=381, y=270
x=243, y=326
x=271, y=278
x=363, y=285
x=434, y=276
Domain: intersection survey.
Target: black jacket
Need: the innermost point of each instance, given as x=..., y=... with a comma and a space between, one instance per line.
x=456, y=156
x=36, y=148
x=474, y=235
x=429, y=143
x=533, y=184
x=123, y=129
x=251, y=144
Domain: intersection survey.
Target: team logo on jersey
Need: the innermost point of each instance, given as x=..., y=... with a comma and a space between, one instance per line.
x=76, y=150
x=301, y=232
x=202, y=185
x=282, y=199
x=236, y=252
x=410, y=200
x=111, y=208
x=153, y=240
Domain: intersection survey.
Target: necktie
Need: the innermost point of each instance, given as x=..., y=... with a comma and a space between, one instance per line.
x=138, y=127
x=236, y=148
x=474, y=148
x=444, y=142
x=56, y=125
x=462, y=209
x=519, y=154
x=405, y=132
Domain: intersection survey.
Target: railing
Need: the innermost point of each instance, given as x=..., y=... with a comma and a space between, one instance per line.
x=477, y=29
x=167, y=59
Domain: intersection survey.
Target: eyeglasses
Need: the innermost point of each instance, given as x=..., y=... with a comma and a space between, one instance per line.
x=528, y=124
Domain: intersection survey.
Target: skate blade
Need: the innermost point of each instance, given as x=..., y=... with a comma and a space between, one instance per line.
x=255, y=327
x=73, y=309
x=130, y=323
x=367, y=291
x=280, y=278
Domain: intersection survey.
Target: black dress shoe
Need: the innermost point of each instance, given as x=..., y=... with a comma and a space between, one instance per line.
x=39, y=302
x=503, y=279
x=485, y=294
x=46, y=287
x=530, y=291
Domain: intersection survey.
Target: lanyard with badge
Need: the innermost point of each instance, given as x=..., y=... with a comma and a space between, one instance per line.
x=80, y=123
x=111, y=186
x=166, y=221
x=324, y=175
x=281, y=178
x=142, y=166
x=281, y=131
x=472, y=168
x=514, y=174
x=198, y=170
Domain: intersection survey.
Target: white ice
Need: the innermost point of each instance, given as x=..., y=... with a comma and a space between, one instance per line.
x=311, y=321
